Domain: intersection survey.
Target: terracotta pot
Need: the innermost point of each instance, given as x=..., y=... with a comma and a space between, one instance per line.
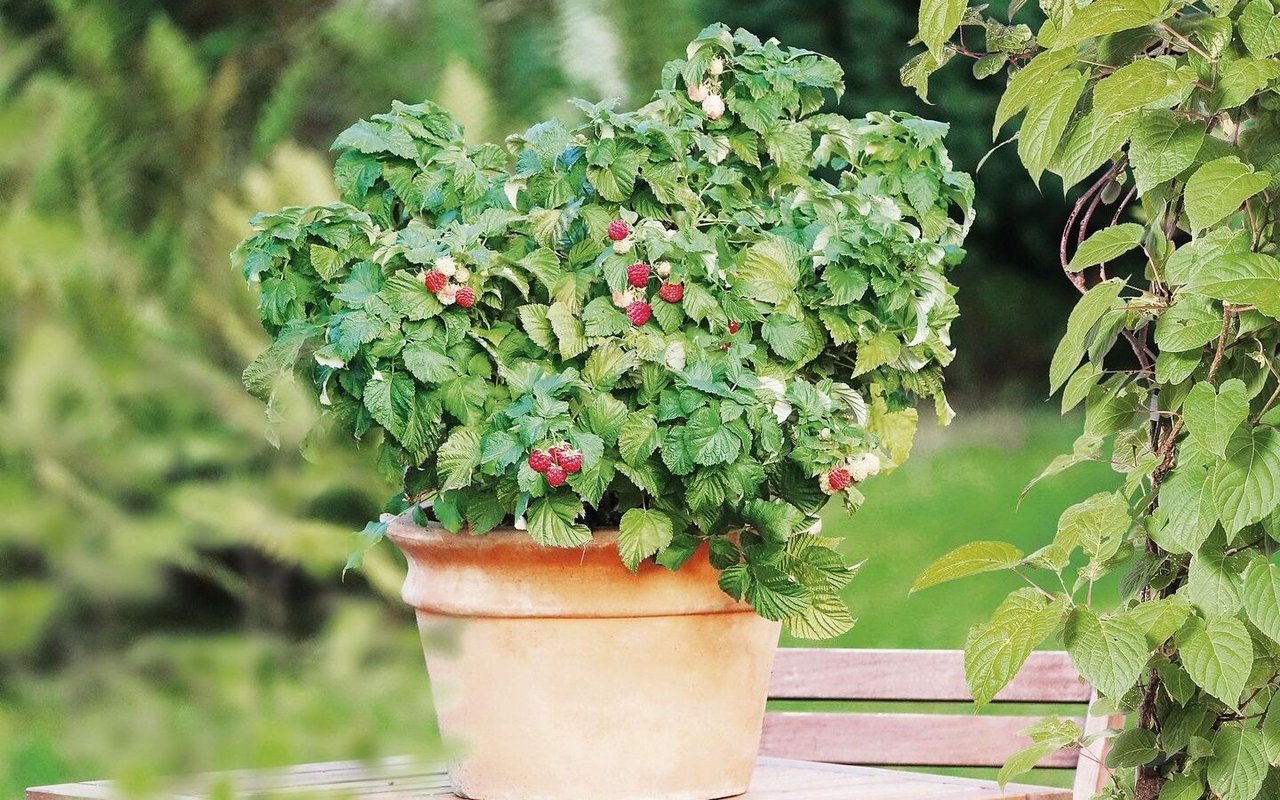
x=573, y=679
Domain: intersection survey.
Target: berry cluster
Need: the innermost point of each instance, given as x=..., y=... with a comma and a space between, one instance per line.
x=855, y=470
x=638, y=309
x=438, y=282
x=707, y=93
x=556, y=463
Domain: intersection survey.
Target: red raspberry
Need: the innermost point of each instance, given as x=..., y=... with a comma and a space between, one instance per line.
x=435, y=280
x=618, y=230
x=570, y=460
x=639, y=313
x=839, y=479
x=733, y=327
x=638, y=274
x=671, y=292
x=539, y=461
x=466, y=297
x=555, y=475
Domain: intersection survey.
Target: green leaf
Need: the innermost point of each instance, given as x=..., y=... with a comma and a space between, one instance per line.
x=1246, y=485
x=428, y=364
x=1188, y=324
x=996, y=650
x=968, y=559
x=642, y=533
x=390, y=400
x=1219, y=656
x=1186, y=500
x=1109, y=652
x=1132, y=748
x=881, y=349
x=1028, y=83
x=638, y=438
x=826, y=617
x=1195, y=256
x=938, y=19
x=1106, y=244
x=1025, y=760
x=326, y=261
x=1046, y=120
x=1219, y=188
x=1163, y=146
x=458, y=457
x=568, y=330
x=607, y=364
x=1260, y=29
x=551, y=521
x=1107, y=16
x=1239, y=763
x=787, y=336
x=1213, y=417
x=709, y=440
x=1183, y=787
x=1087, y=312
x=1213, y=582
x=1150, y=83
x=1241, y=278
x=1095, y=140
x=1262, y=597
x=1097, y=525
x=770, y=270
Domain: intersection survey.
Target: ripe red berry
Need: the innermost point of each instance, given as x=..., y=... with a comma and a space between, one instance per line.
x=435, y=280
x=671, y=292
x=618, y=230
x=733, y=327
x=539, y=461
x=638, y=274
x=839, y=479
x=555, y=475
x=555, y=450
x=570, y=460
x=466, y=297
x=639, y=313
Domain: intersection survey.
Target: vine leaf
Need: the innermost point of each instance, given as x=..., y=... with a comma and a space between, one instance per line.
x=1262, y=597
x=1105, y=245
x=1212, y=417
x=1107, y=16
x=1219, y=656
x=1219, y=188
x=996, y=650
x=1244, y=279
x=642, y=533
x=968, y=559
x=1091, y=308
x=1239, y=763
x=1163, y=146
x=1246, y=484
x=1109, y=652
x=938, y=20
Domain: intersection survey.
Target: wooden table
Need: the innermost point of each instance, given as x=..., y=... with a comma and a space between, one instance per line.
x=396, y=778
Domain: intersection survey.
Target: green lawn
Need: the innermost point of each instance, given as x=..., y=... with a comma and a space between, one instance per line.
x=174, y=703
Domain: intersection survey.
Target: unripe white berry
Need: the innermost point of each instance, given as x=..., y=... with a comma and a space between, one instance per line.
x=716, y=66
x=713, y=106
x=663, y=268
x=448, y=295
x=697, y=92
x=462, y=275
x=446, y=265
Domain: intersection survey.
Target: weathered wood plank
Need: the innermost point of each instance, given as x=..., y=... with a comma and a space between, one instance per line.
x=901, y=675
x=401, y=779
x=936, y=740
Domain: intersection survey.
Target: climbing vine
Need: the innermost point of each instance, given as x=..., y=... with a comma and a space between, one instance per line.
x=1162, y=117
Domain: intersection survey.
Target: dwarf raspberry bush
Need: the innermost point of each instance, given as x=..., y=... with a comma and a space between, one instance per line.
x=810, y=251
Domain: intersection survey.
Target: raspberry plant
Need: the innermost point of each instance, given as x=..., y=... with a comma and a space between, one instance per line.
x=813, y=311
x=1166, y=111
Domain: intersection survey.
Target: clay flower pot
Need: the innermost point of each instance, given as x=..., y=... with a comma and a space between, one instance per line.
x=572, y=679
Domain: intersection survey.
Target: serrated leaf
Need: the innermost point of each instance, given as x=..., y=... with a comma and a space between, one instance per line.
x=1093, y=142
x=642, y=533
x=826, y=617
x=1188, y=324
x=1218, y=189
x=1106, y=244
x=1239, y=763
x=1246, y=484
x=1243, y=279
x=1132, y=748
x=1109, y=651
x=428, y=364
x=1046, y=120
x=710, y=441
x=1186, y=501
x=770, y=270
x=1219, y=656
x=1262, y=597
x=551, y=521
x=968, y=559
x=1260, y=29
x=1107, y=16
x=937, y=20
x=1212, y=416
x=881, y=349
x=458, y=457
x=1028, y=82
x=568, y=330
x=994, y=651
x=1088, y=310
x=1152, y=82
x=1163, y=146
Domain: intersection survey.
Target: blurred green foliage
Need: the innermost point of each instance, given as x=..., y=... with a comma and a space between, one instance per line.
x=170, y=592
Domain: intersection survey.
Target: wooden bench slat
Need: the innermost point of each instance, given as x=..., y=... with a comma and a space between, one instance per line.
x=935, y=740
x=904, y=675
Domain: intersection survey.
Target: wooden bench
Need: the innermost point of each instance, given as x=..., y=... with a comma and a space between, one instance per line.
x=914, y=739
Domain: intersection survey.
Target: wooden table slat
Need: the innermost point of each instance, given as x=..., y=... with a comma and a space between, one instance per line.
x=405, y=779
